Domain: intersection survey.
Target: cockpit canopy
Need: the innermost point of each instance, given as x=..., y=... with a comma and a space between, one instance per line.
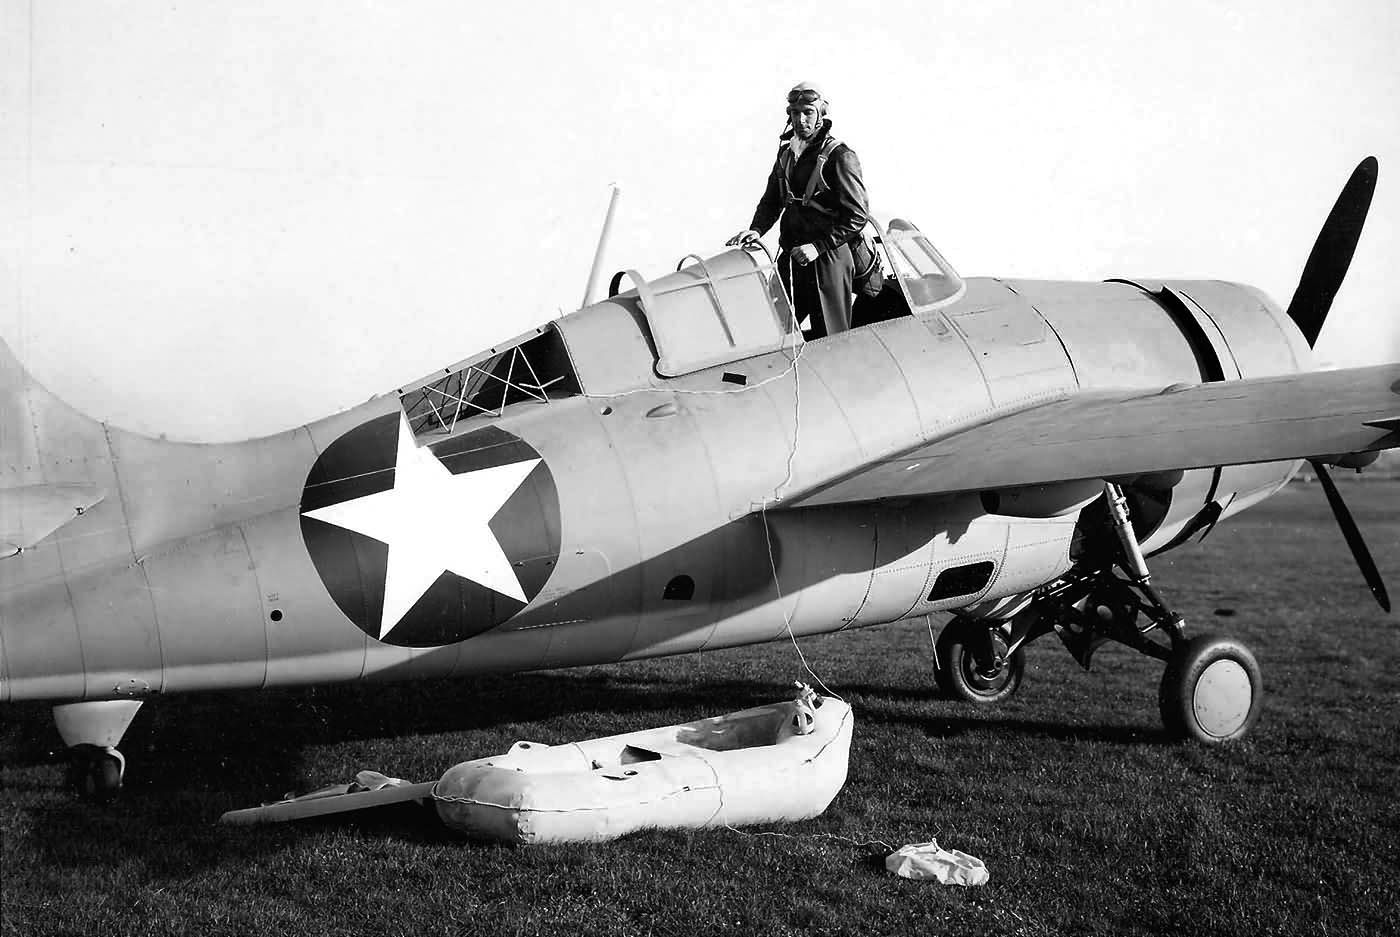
x=711, y=311
x=733, y=306
x=714, y=311
x=533, y=366
x=927, y=280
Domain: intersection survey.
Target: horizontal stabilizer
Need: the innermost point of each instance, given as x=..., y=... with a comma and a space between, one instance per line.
x=1116, y=434
x=30, y=513
x=340, y=798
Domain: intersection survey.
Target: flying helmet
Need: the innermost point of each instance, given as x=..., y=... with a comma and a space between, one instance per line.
x=805, y=92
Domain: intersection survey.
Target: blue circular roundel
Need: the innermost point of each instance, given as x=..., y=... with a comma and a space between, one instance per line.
x=427, y=546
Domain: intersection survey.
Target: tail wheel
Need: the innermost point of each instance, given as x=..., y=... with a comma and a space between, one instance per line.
x=95, y=773
x=973, y=664
x=1212, y=690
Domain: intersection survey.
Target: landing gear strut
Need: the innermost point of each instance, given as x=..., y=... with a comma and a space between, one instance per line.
x=1211, y=689
x=92, y=731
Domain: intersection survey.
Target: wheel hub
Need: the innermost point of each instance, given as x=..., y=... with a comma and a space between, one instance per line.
x=1222, y=698
x=991, y=673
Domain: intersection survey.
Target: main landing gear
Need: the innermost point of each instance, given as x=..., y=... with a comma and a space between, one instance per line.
x=92, y=730
x=1211, y=689
x=975, y=662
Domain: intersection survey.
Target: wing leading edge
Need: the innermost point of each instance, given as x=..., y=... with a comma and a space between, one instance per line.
x=1116, y=434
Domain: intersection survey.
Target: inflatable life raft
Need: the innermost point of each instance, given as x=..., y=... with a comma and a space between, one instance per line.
x=784, y=761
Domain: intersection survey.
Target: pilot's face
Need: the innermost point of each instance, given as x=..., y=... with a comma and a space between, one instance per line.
x=806, y=120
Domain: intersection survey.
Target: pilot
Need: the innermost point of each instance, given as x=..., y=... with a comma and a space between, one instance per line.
x=816, y=187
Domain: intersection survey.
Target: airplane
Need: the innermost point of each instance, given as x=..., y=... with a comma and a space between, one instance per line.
x=677, y=468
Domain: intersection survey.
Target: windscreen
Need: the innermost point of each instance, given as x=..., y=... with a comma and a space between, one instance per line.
x=925, y=277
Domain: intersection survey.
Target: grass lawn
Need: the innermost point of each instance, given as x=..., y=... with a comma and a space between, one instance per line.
x=1088, y=819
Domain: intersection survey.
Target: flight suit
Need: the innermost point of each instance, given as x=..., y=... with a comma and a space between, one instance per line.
x=827, y=211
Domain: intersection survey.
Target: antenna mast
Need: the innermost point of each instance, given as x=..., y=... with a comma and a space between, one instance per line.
x=602, y=242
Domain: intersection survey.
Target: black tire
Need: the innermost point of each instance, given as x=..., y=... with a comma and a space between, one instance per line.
x=1212, y=690
x=965, y=642
x=95, y=774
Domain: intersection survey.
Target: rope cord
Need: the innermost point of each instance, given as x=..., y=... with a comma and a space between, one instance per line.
x=860, y=844
x=777, y=496
x=793, y=369
x=719, y=811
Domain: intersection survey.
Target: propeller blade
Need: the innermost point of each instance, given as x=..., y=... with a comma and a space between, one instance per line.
x=1332, y=252
x=1352, y=535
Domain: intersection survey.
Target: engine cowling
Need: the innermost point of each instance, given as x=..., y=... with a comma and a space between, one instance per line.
x=1167, y=332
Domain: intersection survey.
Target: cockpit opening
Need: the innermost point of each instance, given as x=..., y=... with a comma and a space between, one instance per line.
x=734, y=306
x=917, y=280
x=534, y=366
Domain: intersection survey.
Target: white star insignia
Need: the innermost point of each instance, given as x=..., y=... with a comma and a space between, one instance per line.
x=433, y=522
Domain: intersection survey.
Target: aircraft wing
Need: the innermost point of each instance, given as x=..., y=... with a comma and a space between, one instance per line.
x=1121, y=433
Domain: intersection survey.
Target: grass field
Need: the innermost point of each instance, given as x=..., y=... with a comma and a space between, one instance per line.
x=1088, y=819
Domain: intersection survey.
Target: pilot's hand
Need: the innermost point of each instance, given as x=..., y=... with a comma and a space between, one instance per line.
x=805, y=253
x=743, y=238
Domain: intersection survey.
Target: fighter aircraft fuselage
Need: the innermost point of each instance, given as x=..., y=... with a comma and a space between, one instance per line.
x=631, y=515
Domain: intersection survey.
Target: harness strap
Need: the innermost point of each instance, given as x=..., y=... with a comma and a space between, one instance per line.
x=816, y=184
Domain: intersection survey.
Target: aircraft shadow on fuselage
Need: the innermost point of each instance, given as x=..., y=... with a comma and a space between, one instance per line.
x=728, y=571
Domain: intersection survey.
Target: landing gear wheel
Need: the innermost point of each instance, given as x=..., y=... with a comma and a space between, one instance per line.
x=973, y=665
x=95, y=773
x=1211, y=691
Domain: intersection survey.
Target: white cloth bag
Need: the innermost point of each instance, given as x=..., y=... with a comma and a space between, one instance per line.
x=925, y=861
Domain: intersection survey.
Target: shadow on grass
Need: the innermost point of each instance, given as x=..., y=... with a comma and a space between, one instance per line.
x=194, y=757
x=155, y=840
x=186, y=742
x=945, y=722
x=197, y=756
x=1135, y=736
x=193, y=735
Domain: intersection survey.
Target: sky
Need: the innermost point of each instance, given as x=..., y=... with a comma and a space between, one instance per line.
x=222, y=220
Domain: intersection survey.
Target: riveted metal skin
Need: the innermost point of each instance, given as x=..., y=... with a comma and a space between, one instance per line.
x=200, y=569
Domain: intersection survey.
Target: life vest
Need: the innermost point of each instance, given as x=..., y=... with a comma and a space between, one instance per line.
x=816, y=184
